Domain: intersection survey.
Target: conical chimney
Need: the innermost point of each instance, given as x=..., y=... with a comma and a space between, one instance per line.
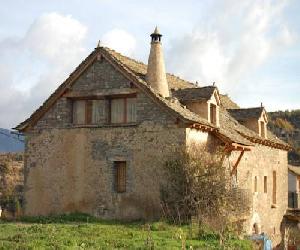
x=156, y=73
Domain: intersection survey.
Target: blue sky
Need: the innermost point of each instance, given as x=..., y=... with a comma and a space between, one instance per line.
x=250, y=48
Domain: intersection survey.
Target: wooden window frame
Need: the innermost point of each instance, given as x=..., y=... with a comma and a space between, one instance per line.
x=108, y=113
x=265, y=184
x=255, y=184
x=213, y=113
x=274, y=193
x=125, y=98
x=262, y=129
x=120, y=176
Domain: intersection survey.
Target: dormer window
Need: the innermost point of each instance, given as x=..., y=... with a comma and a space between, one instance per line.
x=213, y=114
x=255, y=119
x=262, y=129
x=204, y=101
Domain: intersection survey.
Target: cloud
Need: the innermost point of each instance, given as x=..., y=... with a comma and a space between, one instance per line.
x=230, y=45
x=31, y=67
x=120, y=40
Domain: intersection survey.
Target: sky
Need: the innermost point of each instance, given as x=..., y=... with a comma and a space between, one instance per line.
x=249, y=48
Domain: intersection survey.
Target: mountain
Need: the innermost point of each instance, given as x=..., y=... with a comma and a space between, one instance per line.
x=286, y=126
x=10, y=142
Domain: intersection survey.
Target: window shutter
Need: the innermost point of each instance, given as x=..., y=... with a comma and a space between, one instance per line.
x=120, y=177
x=79, y=112
x=274, y=187
x=88, y=111
x=265, y=184
x=98, y=113
x=117, y=110
x=131, y=110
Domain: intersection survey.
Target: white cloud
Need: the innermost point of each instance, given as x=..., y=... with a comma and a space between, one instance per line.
x=120, y=40
x=53, y=36
x=34, y=65
x=237, y=39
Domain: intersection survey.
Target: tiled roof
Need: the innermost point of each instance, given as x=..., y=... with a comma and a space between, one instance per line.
x=247, y=113
x=196, y=93
x=140, y=70
x=227, y=103
x=229, y=127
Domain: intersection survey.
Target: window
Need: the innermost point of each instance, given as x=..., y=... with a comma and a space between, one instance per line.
x=255, y=184
x=213, y=114
x=98, y=111
x=120, y=176
x=123, y=110
x=274, y=188
x=262, y=129
x=88, y=111
x=265, y=184
x=114, y=110
x=79, y=112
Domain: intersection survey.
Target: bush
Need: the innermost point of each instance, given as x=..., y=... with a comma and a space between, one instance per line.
x=198, y=186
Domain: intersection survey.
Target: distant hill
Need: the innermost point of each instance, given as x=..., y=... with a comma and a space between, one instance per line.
x=10, y=142
x=286, y=126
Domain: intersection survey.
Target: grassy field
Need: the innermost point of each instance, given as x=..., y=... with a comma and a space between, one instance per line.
x=83, y=232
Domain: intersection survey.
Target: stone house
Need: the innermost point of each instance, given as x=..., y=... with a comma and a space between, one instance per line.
x=99, y=142
x=294, y=186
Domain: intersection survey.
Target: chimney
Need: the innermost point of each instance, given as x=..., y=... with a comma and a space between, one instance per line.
x=156, y=73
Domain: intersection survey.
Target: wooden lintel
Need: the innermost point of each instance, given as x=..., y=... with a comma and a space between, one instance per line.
x=237, y=163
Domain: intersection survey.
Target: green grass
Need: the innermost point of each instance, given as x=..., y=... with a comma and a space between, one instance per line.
x=85, y=232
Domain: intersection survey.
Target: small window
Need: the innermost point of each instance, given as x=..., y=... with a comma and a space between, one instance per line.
x=120, y=176
x=265, y=184
x=255, y=184
x=262, y=129
x=213, y=114
x=274, y=188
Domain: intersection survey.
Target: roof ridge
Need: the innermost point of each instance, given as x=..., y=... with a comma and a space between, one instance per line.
x=127, y=57
x=144, y=64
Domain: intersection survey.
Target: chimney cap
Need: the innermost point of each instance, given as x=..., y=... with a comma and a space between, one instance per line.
x=156, y=31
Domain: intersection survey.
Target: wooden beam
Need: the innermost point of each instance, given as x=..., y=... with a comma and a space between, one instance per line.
x=237, y=162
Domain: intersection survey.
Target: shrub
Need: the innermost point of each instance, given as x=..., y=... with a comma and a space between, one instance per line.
x=198, y=186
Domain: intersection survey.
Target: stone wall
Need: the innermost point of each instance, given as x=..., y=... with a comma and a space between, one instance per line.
x=71, y=170
x=262, y=161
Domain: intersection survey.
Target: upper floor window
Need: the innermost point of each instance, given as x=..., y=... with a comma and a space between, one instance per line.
x=213, y=114
x=274, y=188
x=265, y=184
x=113, y=110
x=262, y=129
x=88, y=111
x=123, y=110
x=255, y=184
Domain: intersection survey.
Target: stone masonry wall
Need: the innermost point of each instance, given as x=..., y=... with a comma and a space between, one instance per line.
x=101, y=77
x=262, y=161
x=70, y=168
